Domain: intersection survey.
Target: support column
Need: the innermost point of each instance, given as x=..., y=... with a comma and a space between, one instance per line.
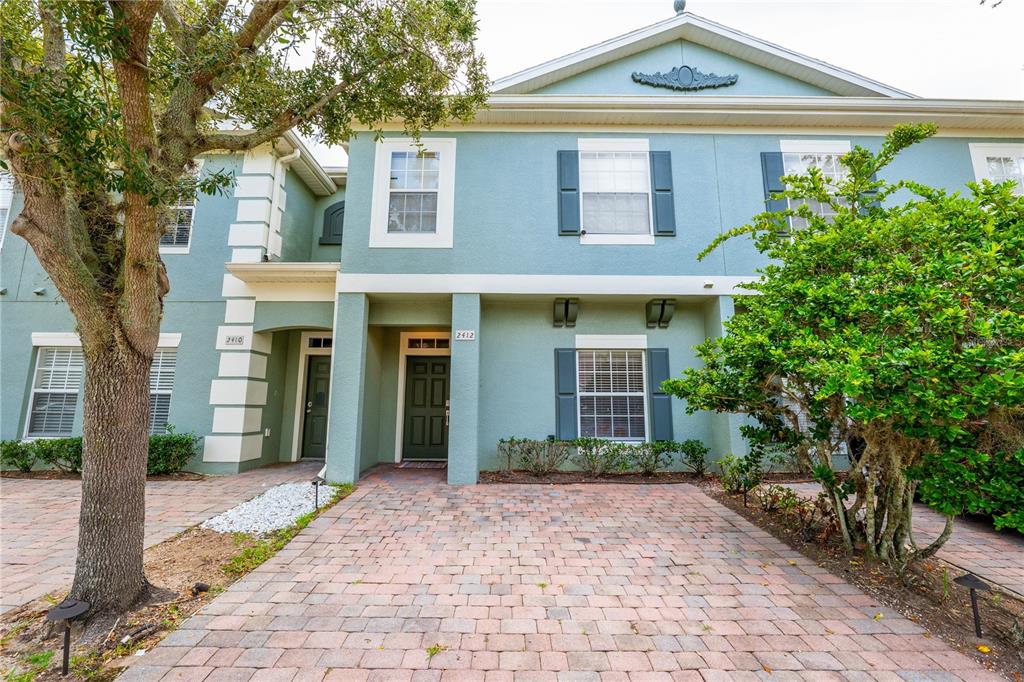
x=348, y=378
x=725, y=427
x=464, y=424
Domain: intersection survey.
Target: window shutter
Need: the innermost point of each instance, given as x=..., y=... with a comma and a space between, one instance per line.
x=565, y=394
x=772, y=170
x=661, y=194
x=660, y=402
x=568, y=192
x=870, y=200
x=334, y=222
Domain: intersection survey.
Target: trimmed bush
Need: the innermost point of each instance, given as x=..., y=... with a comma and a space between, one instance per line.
x=741, y=474
x=694, y=456
x=597, y=456
x=649, y=458
x=539, y=457
x=170, y=452
x=17, y=454
x=60, y=453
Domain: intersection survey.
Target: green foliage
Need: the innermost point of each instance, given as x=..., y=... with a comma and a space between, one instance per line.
x=539, y=457
x=900, y=321
x=64, y=454
x=649, y=458
x=17, y=454
x=741, y=474
x=774, y=498
x=170, y=452
x=598, y=456
x=29, y=667
x=694, y=455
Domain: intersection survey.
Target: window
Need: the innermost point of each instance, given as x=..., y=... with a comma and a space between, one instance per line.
x=799, y=156
x=615, y=191
x=161, y=383
x=320, y=342
x=611, y=394
x=414, y=194
x=6, y=198
x=999, y=163
x=55, y=387
x=179, y=231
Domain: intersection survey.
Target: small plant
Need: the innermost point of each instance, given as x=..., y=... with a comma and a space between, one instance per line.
x=539, y=457
x=649, y=458
x=34, y=664
x=741, y=474
x=17, y=454
x=694, y=456
x=598, y=456
x=776, y=498
x=170, y=452
x=61, y=453
x=434, y=650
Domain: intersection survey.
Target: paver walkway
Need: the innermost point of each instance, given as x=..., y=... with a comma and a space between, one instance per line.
x=39, y=521
x=996, y=556
x=527, y=583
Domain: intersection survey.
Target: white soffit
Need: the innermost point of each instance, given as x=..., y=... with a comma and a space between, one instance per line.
x=701, y=31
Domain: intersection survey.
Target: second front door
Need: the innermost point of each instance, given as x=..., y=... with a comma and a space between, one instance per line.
x=426, y=408
x=318, y=391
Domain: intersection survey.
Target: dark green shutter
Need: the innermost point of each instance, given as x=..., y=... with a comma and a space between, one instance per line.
x=661, y=194
x=772, y=170
x=565, y=394
x=660, y=402
x=334, y=222
x=569, y=192
x=869, y=200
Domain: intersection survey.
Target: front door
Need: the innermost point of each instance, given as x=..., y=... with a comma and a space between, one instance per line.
x=426, y=408
x=318, y=390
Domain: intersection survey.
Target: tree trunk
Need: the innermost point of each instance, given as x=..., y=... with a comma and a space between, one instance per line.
x=108, y=572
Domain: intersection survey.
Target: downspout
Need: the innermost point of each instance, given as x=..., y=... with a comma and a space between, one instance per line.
x=275, y=202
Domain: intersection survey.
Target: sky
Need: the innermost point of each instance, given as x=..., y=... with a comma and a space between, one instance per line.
x=935, y=49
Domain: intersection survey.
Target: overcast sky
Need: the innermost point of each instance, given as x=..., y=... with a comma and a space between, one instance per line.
x=945, y=48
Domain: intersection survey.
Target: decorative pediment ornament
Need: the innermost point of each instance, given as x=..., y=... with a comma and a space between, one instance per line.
x=685, y=78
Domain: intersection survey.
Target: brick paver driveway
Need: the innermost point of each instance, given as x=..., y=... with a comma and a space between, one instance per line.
x=527, y=583
x=39, y=522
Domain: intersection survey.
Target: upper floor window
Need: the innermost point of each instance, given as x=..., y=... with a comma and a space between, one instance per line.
x=414, y=194
x=799, y=156
x=6, y=198
x=179, y=231
x=999, y=163
x=615, y=191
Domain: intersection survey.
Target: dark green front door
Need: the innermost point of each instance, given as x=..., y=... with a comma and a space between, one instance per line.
x=318, y=390
x=426, y=408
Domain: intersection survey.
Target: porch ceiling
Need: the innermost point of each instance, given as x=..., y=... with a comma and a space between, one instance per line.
x=253, y=273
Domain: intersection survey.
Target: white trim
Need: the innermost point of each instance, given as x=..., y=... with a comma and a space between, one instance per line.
x=981, y=150
x=178, y=250
x=403, y=352
x=696, y=29
x=232, y=448
x=814, y=146
x=611, y=341
x=183, y=249
x=646, y=392
x=604, y=285
x=608, y=144
x=166, y=340
x=618, y=239
x=443, y=238
x=300, y=391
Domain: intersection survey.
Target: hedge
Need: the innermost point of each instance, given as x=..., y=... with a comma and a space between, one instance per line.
x=168, y=453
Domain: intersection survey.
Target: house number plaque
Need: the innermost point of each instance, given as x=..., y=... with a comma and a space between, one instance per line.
x=465, y=335
x=234, y=340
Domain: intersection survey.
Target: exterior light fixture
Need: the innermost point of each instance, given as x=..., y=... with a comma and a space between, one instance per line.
x=317, y=482
x=659, y=312
x=708, y=284
x=973, y=583
x=67, y=611
x=566, y=311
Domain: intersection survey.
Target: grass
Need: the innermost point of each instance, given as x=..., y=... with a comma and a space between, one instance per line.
x=263, y=548
x=34, y=664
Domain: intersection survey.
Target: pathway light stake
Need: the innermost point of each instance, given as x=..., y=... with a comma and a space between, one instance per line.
x=67, y=611
x=974, y=583
x=317, y=482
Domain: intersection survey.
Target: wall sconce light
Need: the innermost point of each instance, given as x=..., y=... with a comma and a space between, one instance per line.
x=566, y=311
x=659, y=312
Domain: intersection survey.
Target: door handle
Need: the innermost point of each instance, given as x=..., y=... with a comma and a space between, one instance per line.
x=447, y=414
x=309, y=407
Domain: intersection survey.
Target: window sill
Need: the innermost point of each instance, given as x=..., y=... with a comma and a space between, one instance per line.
x=410, y=240
x=174, y=250
x=619, y=239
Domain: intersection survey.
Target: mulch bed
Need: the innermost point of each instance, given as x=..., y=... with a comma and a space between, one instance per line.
x=569, y=477
x=927, y=596
x=57, y=475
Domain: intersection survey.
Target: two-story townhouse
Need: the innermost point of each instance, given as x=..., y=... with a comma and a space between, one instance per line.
x=532, y=272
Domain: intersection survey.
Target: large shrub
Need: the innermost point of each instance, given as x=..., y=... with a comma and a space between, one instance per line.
x=897, y=321
x=170, y=452
x=17, y=454
x=64, y=454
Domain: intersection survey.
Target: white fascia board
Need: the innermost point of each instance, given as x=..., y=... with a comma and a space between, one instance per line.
x=579, y=285
x=696, y=29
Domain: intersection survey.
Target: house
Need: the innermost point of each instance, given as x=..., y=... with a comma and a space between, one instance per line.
x=532, y=272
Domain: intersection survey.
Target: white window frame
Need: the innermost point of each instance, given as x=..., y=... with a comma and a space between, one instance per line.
x=443, y=238
x=839, y=147
x=980, y=151
x=169, y=392
x=627, y=144
x=36, y=391
x=183, y=249
x=613, y=342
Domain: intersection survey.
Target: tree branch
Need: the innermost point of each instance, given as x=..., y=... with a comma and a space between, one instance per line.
x=53, y=38
x=172, y=22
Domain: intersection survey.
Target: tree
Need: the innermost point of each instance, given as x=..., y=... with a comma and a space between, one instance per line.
x=899, y=326
x=105, y=104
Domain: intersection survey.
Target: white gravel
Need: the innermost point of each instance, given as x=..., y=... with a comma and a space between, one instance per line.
x=275, y=509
